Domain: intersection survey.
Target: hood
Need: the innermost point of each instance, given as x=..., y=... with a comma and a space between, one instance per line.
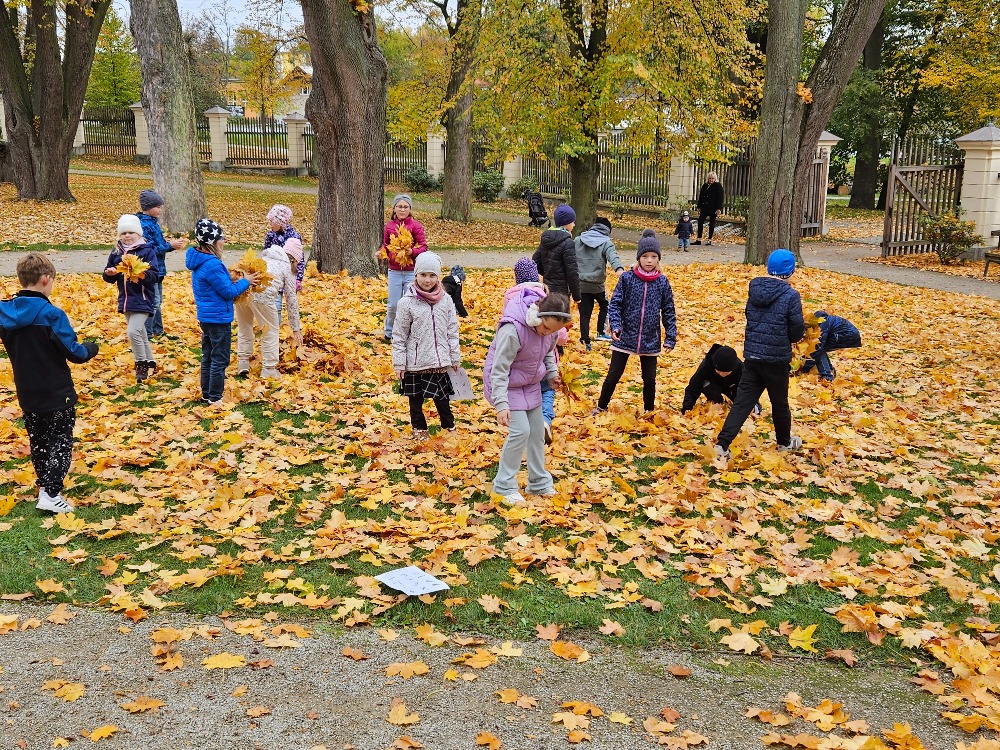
x=22, y=310
x=196, y=259
x=516, y=308
x=274, y=253
x=596, y=236
x=765, y=290
x=553, y=238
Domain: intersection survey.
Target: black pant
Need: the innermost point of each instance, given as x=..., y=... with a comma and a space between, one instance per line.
x=712, y=392
x=615, y=372
x=50, y=435
x=587, y=309
x=711, y=223
x=419, y=421
x=759, y=377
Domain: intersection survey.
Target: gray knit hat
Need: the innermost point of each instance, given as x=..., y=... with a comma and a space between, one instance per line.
x=149, y=199
x=648, y=244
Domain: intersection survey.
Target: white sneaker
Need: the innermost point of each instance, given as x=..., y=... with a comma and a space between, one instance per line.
x=514, y=498
x=722, y=453
x=548, y=433
x=268, y=373
x=550, y=492
x=57, y=504
x=794, y=443
x=243, y=368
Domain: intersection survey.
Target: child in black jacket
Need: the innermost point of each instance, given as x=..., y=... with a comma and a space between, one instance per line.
x=684, y=231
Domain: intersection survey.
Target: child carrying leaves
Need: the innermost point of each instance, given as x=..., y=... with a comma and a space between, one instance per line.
x=425, y=344
x=401, y=252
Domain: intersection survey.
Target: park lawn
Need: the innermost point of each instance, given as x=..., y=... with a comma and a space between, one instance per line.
x=881, y=533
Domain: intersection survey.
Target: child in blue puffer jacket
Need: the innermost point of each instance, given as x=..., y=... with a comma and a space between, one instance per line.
x=642, y=299
x=214, y=292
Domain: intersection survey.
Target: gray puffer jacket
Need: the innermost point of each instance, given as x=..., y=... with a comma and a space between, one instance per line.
x=594, y=253
x=425, y=336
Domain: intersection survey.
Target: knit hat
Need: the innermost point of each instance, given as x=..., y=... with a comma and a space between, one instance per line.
x=129, y=223
x=427, y=262
x=293, y=247
x=458, y=273
x=207, y=232
x=402, y=197
x=724, y=359
x=685, y=213
x=602, y=221
x=280, y=214
x=564, y=215
x=781, y=263
x=525, y=270
x=648, y=244
x=149, y=199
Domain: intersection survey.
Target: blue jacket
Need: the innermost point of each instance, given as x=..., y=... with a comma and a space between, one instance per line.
x=774, y=320
x=837, y=333
x=636, y=310
x=135, y=296
x=153, y=235
x=40, y=341
x=214, y=291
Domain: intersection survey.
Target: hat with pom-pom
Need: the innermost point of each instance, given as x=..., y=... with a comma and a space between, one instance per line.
x=648, y=244
x=525, y=271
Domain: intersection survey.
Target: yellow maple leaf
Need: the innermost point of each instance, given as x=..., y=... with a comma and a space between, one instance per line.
x=738, y=640
x=485, y=739
x=253, y=263
x=400, y=715
x=617, y=717
x=406, y=670
x=802, y=638
x=225, y=660
x=103, y=732
x=132, y=267
x=142, y=704
x=569, y=651
x=400, y=248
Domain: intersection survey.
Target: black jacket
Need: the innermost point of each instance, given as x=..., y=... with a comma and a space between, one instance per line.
x=711, y=197
x=706, y=373
x=556, y=261
x=39, y=340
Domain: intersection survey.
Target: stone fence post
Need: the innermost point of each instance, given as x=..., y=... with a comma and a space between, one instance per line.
x=435, y=153
x=296, y=124
x=218, y=119
x=981, y=179
x=80, y=139
x=827, y=141
x=513, y=170
x=681, y=183
x=141, y=134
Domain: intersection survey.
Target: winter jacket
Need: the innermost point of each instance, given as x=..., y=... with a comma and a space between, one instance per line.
x=519, y=359
x=279, y=238
x=774, y=320
x=706, y=373
x=556, y=261
x=594, y=253
x=636, y=310
x=282, y=285
x=425, y=336
x=153, y=235
x=685, y=229
x=415, y=228
x=214, y=291
x=711, y=197
x=135, y=296
x=40, y=341
x=837, y=333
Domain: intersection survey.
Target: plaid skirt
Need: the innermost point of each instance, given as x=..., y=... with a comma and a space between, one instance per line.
x=426, y=384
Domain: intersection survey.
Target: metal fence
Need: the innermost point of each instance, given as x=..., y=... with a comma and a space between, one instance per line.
x=257, y=142
x=399, y=159
x=309, y=158
x=108, y=131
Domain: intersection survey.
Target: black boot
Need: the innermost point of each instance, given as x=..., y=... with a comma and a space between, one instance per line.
x=151, y=367
x=141, y=371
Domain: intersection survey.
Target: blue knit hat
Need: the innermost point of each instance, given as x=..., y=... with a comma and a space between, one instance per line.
x=564, y=215
x=648, y=244
x=781, y=263
x=525, y=270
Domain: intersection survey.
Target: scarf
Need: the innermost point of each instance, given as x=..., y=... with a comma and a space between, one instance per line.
x=129, y=248
x=651, y=276
x=433, y=297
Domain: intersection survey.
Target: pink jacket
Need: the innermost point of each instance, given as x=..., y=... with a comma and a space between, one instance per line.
x=415, y=228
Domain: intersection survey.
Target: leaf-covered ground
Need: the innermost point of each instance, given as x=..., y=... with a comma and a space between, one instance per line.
x=876, y=542
x=972, y=269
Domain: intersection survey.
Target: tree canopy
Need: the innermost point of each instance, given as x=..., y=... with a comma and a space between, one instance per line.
x=115, y=78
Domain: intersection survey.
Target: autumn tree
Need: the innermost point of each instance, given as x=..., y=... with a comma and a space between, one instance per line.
x=46, y=53
x=347, y=109
x=417, y=61
x=115, y=78
x=255, y=63
x=206, y=52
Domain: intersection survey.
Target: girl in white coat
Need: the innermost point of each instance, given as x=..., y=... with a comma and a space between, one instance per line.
x=425, y=344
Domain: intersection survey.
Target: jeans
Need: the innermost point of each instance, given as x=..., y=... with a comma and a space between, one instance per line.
x=759, y=377
x=684, y=242
x=587, y=309
x=548, y=402
x=820, y=358
x=711, y=224
x=50, y=435
x=526, y=435
x=419, y=422
x=617, y=369
x=216, y=349
x=154, y=323
x=398, y=281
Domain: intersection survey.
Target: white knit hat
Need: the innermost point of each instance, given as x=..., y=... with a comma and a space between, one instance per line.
x=129, y=223
x=427, y=262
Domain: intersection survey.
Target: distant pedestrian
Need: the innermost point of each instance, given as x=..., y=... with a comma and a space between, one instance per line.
x=710, y=200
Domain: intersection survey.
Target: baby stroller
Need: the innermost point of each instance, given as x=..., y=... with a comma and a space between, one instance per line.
x=537, y=215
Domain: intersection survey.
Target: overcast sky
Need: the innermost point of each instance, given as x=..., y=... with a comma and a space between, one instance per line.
x=291, y=10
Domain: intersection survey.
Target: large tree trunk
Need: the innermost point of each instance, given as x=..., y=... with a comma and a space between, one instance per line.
x=168, y=102
x=43, y=86
x=583, y=173
x=870, y=150
x=347, y=109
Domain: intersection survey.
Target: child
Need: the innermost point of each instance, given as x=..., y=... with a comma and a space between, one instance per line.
x=214, y=292
x=835, y=333
x=520, y=357
x=684, y=231
x=262, y=307
x=774, y=323
x=452, y=284
x=717, y=377
x=136, y=299
x=594, y=252
x=39, y=341
x=556, y=255
x=151, y=205
x=400, y=276
x=425, y=345
x=641, y=299
x=280, y=230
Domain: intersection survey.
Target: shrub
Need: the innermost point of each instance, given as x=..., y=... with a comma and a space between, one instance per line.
x=486, y=186
x=619, y=205
x=518, y=188
x=739, y=207
x=418, y=180
x=951, y=235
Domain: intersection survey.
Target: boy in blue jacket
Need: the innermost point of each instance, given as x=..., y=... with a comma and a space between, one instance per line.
x=40, y=341
x=834, y=333
x=151, y=205
x=774, y=323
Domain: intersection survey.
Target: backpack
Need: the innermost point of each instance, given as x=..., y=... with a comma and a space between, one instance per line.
x=537, y=214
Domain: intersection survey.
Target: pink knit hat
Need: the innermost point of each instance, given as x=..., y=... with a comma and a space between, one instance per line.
x=280, y=214
x=293, y=247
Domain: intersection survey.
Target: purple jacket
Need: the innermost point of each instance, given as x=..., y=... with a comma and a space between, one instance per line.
x=517, y=384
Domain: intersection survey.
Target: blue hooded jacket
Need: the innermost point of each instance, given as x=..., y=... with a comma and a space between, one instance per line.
x=153, y=235
x=774, y=320
x=135, y=296
x=837, y=333
x=636, y=310
x=214, y=291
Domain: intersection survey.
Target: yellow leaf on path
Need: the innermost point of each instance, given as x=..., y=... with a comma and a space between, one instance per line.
x=257, y=711
x=485, y=739
x=617, y=717
x=49, y=586
x=507, y=648
x=388, y=635
x=68, y=691
x=404, y=743
x=679, y=671
x=142, y=704
x=509, y=695
x=283, y=641
x=103, y=732
x=60, y=742
x=225, y=660
x=802, y=638
x=352, y=653
x=451, y=675
x=740, y=641
x=399, y=715
x=548, y=632
x=582, y=708
x=406, y=670
x=60, y=615
x=569, y=651
x=240, y=690
x=570, y=720
x=577, y=736
x=172, y=661
x=429, y=635
x=610, y=627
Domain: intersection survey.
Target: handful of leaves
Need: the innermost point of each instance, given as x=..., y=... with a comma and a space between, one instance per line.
x=252, y=263
x=400, y=248
x=572, y=388
x=132, y=267
x=801, y=350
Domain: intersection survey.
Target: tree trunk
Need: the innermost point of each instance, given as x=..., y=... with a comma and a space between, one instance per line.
x=168, y=102
x=458, y=159
x=870, y=150
x=347, y=109
x=43, y=87
x=583, y=173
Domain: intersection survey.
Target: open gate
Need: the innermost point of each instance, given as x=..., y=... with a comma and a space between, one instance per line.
x=925, y=178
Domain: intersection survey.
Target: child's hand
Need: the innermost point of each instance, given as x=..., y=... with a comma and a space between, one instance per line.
x=110, y=272
x=555, y=382
x=253, y=278
x=503, y=418
x=400, y=374
x=297, y=337
x=616, y=335
x=620, y=271
x=177, y=244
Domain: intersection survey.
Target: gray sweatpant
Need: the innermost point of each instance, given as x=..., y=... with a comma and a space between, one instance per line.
x=527, y=433
x=138, y=338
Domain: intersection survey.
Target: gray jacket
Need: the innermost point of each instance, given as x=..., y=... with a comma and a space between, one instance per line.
x=594, y=252
x=425, y=336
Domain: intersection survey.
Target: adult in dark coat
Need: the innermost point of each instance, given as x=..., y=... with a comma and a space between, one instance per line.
x=710, y=200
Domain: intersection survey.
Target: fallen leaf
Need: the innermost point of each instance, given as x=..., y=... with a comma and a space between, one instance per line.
x=225, y=660
x=399, y=715
x=142, y=704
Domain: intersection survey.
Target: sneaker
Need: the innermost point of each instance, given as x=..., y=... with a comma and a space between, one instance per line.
x=722, y=453
x=550, y=492
x=794, y=443
x=709, y=243
x=57, y=504
x=141, y=371
x=421, y=434
x=243, y=368
x=170, y=336
x=387, y=339
x=604, y=337
x=587, y=346
x=597, y=410
x=270, y=374
x=512, y=498
x=548, y=433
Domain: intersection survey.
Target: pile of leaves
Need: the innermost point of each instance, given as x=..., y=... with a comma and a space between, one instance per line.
x=930, y=262
x=400, y=248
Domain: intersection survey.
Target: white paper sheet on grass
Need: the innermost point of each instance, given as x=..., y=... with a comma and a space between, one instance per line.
x=462, y=385
x=412, y=581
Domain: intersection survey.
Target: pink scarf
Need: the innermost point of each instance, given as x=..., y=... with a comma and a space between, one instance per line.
x=434, y=296
x=651, y=276
x=129, y=248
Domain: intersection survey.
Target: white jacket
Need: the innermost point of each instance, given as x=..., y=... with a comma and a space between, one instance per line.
x=425, y=336
x=283, y=283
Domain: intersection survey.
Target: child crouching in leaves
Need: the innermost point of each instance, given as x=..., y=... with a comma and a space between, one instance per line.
x=425, y=344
